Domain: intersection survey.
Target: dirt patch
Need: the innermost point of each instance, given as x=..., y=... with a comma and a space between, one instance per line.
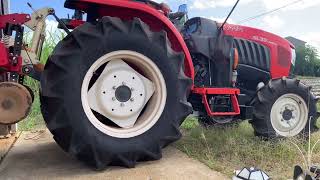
x=6, y=144
x=41, y=158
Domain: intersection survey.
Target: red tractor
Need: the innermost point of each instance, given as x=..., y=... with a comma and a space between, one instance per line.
x=116, y=89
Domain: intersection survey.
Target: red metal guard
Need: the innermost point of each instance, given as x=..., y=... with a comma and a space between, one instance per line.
x=17, y=19
x=233, y=92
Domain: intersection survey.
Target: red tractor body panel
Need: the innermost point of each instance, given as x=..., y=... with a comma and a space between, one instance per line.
x=4, y=59
x=280, y=48
x=13, y=19
x=233, y=92
x=128, y=9
x=5, y=62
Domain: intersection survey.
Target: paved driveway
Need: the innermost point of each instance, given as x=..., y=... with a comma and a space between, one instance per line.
x=38, y=157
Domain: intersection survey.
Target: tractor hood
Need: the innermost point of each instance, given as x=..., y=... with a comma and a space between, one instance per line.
x=278, y=51
x=254, y=34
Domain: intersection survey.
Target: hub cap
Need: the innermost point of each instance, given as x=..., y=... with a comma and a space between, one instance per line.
x=123, y=93
x=130, y=92
x=289, y=115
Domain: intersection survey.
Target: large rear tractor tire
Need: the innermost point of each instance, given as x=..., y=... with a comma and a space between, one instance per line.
x=115, y=93
x=284, y=108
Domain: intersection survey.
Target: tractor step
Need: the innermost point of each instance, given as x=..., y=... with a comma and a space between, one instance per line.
x=231, y=93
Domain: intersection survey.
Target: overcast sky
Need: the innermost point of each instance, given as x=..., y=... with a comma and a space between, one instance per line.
x=300, y=20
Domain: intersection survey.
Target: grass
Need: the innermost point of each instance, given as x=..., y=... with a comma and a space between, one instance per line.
x=35, y=119
x=305, y=77
x=235, y=147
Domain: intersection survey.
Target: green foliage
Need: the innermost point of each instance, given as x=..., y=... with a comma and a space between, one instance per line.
x=50, y=43
x=35, y=119
x=226, y=149
x=308, y=62
x=190, y=123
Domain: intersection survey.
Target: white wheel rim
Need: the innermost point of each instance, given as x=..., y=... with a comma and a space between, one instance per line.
x=289, y=115
x=143, y=84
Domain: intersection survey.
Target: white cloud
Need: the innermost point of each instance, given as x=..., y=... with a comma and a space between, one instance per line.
x=300, y=5
x=221, y=20
x=312, y=38
x=273, y=22
x=52, y=31
x=160, y=1
x=52, y=25
x=205, y=4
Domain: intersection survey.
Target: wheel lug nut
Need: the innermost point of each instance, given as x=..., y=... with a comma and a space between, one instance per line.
x=132, y=99
x=114, y=87
x=113, y=99
x=123, y=83
x=122, y=104
x=131, y=89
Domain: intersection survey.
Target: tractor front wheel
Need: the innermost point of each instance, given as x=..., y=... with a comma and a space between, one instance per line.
x=114, y=93
x=284, y=108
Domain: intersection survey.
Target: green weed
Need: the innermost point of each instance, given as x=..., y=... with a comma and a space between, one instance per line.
x=226, y=149
x=35, y=119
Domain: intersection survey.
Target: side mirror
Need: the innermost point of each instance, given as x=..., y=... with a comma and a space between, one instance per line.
x=183, y=8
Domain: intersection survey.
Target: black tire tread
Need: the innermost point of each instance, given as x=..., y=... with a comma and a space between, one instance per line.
x=56, y=114
x=267, y=95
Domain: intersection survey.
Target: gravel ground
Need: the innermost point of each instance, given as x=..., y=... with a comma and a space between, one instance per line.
x=314, y=83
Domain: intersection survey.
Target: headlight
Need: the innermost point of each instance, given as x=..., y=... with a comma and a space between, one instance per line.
x=294, y=56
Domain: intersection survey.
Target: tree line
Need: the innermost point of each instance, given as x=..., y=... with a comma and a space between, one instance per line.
x=307, y=61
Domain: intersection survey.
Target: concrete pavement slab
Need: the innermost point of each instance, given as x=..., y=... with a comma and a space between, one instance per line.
x=6, y=143
x=38, y=157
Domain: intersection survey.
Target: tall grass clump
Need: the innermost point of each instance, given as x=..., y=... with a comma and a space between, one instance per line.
x=35, y=119
x=226, y=149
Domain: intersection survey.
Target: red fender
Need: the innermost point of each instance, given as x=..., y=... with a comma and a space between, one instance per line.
x=127, y=10
x=4, y=59
x=17, y=19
